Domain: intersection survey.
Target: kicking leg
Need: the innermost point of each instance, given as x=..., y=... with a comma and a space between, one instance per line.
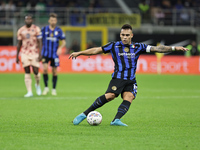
x=100, y=101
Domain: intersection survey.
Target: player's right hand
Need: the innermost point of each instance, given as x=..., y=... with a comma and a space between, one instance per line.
x=40, y=57
x=74, y=55
x=17, y=60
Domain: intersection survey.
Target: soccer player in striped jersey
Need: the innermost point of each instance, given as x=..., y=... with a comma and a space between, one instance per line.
x=125, y=54
x=30, y=43
x=51, y=35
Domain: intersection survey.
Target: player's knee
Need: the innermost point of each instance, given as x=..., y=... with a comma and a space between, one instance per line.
x=110, y=96
x=54, y=73
x=131, y=97
x=128, y=96
x=27, y=69
x=45, y=71
x=36, y=73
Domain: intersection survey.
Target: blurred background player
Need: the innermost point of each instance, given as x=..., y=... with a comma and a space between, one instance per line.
x=51, y=34
x=30, y=44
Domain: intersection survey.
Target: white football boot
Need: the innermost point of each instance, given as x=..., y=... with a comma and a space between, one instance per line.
x=29, y=94
x=46, y=90
x=38, y=89
x=53, y=92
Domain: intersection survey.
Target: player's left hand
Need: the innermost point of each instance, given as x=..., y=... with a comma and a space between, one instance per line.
x=59, y=51
x=180, y=48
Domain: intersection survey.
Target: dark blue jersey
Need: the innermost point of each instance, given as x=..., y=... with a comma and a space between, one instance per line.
x=50, y=41
x=125, y=58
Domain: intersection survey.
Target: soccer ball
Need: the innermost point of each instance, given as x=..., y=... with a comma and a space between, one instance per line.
x=94, y=118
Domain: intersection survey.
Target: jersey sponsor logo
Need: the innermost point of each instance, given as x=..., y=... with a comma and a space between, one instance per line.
x=51, y=38
x=129, y=55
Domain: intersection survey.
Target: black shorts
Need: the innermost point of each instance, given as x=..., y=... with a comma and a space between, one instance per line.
x=55, y=62
x=119, y=86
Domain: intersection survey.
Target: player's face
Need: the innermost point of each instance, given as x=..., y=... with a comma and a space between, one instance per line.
x=28, y=21
x=52, y=21
x=126, y=36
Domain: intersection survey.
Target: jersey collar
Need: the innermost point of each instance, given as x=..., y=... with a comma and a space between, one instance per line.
x=50, y=28
x=127, y=45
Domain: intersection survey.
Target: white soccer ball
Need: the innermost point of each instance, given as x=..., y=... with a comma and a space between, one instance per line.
x=94, y=118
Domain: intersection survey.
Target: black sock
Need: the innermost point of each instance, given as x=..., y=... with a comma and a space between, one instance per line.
x=100, y=101
x=54, y=80
x=45, y=77
x=122, y=110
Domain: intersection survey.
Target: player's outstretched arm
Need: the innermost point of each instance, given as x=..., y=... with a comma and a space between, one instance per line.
x=163, y=49
x=88, y=52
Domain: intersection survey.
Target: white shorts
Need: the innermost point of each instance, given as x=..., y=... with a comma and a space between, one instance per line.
x=30, y=60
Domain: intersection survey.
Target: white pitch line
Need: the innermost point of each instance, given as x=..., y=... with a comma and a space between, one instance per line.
x=169, y=97
x=89, y=98
x=44, y=98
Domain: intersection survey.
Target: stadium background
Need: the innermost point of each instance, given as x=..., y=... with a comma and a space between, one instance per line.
x=89, y=23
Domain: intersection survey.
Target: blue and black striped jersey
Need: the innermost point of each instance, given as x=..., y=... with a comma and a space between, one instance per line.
x=125, y=58
x=50, y=41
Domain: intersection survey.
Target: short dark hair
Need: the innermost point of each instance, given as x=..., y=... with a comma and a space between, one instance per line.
x=126, y=26
x=28, y=15
x=54, y=15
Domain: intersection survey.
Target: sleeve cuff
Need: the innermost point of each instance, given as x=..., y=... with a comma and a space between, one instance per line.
x=148, y=49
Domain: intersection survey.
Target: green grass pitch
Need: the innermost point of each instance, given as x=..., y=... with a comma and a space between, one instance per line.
x=164, y=116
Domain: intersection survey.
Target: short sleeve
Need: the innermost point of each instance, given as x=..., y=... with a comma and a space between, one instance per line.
x=108, y=47
x=144, y=47
x=148, y=49
x=38, y=33
x=19, y=36
x=62, y=35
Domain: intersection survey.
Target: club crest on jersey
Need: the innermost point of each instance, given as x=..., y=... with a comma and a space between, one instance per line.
x=126, y=49
x=51, y=35
x=28, y=36
x=114, y=88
